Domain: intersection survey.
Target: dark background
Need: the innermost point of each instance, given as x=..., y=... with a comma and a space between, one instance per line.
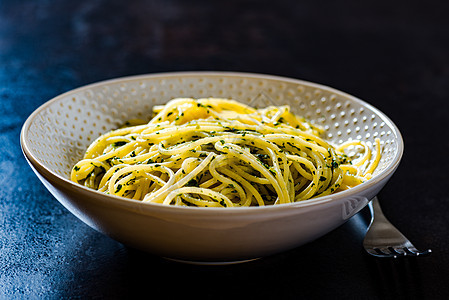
x=392, y=54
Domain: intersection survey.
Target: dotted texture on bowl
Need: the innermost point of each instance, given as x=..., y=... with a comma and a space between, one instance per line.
x=64, y=128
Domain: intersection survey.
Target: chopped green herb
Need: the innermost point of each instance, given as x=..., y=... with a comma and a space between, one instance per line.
x=118, y=144
x=334, y=164
x=192, y=182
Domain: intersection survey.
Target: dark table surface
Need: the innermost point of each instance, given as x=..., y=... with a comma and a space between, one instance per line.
x=392, y=54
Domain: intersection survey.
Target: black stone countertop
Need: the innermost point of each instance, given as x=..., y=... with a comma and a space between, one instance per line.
x=392, y=54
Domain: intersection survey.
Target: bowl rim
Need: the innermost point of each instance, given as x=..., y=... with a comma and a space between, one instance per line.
x=126, y=201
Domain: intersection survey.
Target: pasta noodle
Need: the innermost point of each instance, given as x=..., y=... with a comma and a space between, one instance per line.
x=221, y=153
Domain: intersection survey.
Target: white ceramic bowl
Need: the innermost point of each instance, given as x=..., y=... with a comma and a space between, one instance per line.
x=56, y=135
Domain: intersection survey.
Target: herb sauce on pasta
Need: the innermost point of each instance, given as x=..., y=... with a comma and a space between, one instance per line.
x=216, y=152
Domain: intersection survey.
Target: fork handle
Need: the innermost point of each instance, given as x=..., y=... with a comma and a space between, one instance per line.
x=376, y=211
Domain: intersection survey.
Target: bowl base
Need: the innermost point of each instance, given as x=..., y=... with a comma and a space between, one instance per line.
x=210, y=263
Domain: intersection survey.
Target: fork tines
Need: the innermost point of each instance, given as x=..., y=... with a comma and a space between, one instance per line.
x=397, y=252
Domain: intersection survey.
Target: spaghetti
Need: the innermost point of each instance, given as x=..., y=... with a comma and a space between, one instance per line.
x=221, y=153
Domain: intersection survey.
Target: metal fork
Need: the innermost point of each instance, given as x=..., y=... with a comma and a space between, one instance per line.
x=384, y=240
